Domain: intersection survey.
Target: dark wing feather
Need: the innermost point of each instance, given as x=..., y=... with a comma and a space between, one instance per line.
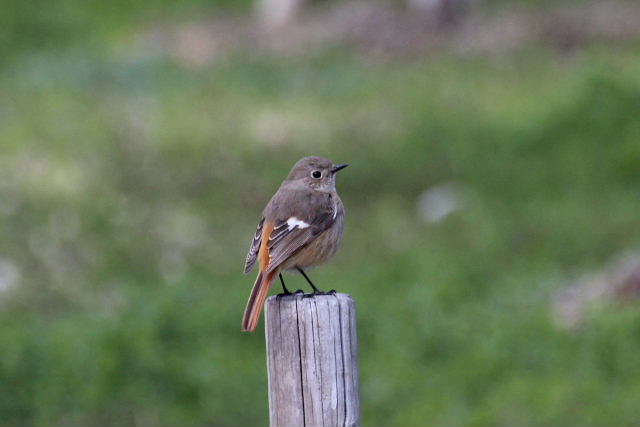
x=285, y=241
x=254, y=248
x=279, y=232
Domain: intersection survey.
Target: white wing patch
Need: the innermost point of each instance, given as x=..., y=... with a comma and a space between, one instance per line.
x=294, y=222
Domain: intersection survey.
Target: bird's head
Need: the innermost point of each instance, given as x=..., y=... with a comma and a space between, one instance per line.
x=316, y=172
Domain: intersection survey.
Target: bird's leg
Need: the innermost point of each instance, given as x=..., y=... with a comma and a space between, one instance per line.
x=316, y=291
x=284, y=288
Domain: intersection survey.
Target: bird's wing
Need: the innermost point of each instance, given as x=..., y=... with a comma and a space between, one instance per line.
x=254, y=248
x=292, y=234
x=297, y=224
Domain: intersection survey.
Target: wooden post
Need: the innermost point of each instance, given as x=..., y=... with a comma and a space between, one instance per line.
x=312, y=360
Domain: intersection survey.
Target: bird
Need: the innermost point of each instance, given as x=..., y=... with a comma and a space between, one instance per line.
x=301, y=227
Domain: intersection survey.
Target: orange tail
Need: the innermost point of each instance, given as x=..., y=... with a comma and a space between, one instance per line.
x=256, y=301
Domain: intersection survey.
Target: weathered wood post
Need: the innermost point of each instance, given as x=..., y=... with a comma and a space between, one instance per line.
x=312, y=360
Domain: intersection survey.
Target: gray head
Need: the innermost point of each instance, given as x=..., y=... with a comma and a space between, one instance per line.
x=315, y=172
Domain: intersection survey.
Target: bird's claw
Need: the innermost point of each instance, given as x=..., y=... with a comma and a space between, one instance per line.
x=315, y=293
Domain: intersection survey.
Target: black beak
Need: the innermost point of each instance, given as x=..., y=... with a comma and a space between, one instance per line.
x=336, y=168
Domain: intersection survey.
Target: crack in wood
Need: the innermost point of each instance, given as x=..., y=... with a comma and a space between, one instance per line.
x=304, y=416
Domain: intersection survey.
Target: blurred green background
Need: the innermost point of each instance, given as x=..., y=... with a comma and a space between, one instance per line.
x=495, y=161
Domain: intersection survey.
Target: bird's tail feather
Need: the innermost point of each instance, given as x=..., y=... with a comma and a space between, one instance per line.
x=256, y=301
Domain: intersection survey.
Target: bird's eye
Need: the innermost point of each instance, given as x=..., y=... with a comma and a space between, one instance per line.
x=316, y=174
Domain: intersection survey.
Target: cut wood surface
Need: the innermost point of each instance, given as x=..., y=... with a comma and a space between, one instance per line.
x=312, y=360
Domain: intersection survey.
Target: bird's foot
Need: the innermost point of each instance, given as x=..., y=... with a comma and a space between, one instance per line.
x=286, y=294
x=318, y=292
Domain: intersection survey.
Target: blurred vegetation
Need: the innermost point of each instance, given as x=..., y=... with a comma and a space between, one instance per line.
x=130, y=186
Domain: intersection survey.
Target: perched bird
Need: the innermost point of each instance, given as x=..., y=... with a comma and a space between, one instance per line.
x=300, y=227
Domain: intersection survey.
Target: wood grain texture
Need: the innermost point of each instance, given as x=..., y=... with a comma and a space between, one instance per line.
x=312, y=361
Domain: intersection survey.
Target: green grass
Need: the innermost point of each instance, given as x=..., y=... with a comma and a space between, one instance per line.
x=130, y=189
